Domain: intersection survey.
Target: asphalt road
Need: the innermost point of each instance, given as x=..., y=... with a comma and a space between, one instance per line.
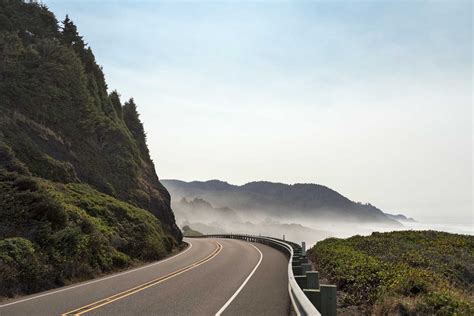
x=211, y=276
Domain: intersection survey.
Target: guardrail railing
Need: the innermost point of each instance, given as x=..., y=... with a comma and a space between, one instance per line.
x=308, y=297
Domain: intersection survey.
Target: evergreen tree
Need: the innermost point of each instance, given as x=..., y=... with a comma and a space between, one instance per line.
x=95, y=75
x=132, y=120
x=117, y=105
x=70, y=35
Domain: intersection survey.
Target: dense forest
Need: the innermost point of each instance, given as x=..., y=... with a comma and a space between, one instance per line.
x=403, y=273
x=79, y=195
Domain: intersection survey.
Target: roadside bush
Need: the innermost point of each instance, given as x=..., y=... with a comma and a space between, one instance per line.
x=54, y=234
x=404, y=273
x=22, y=269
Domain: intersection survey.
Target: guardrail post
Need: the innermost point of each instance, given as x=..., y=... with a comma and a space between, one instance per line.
x=297, y=270
x=303, y=248
x=301, y=280
x=310, y=285
x=312, y=279
x=328, y=300
x=296, y=260
x=315, y=298
x=306, y=267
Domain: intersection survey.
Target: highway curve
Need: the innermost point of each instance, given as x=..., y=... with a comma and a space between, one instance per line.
x=211, y=276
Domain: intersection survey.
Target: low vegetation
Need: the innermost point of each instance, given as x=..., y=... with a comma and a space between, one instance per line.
x=405, y=272
x=52, y=234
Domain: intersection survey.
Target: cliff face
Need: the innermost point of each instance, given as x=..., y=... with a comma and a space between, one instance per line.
x=59, y=124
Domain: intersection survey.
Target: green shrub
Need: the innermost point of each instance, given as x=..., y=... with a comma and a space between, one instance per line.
x=8, y=161
x=22, y=269
x=444, y=302
x=410, y=272
x=52, y=234
x=25, y=183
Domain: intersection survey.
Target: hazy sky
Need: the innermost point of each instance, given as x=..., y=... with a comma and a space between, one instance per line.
x=373, y=99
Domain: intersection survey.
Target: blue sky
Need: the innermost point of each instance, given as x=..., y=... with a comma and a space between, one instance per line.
x=371, y=98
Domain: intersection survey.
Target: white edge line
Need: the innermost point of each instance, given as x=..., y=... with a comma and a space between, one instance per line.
x=98, y=280
x=242, y=285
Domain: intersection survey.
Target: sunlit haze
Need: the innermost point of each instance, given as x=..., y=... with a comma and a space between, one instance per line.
x=372, y=99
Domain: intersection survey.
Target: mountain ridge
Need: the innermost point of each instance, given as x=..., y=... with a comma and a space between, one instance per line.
x=303, y=199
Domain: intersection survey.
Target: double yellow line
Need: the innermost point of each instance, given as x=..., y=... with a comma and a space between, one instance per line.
x=113, y=298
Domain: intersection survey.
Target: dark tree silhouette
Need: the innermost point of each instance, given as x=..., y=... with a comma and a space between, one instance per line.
x=132, y=120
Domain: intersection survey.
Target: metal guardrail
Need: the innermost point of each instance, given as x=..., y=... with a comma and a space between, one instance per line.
x=306, y=294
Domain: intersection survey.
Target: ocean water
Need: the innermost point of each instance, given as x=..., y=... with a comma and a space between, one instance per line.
x=457, y=225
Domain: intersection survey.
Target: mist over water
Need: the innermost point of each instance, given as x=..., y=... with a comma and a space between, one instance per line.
x=300, y=212
x=455, y=225
x=213, y=221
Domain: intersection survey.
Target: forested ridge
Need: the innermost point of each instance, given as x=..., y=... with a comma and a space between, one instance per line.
x=79, y=194
x=300, y=200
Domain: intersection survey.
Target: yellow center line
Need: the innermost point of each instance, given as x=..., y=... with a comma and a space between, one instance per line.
x=115, y=297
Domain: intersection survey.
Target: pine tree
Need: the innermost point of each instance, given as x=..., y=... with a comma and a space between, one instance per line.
x=132, y=120
x=115, y=100
x=70, y=35
x=96, y=79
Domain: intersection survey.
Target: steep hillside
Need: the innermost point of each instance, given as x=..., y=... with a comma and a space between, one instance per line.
x=401, y=273
x=77, y=180
x=280, y=200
